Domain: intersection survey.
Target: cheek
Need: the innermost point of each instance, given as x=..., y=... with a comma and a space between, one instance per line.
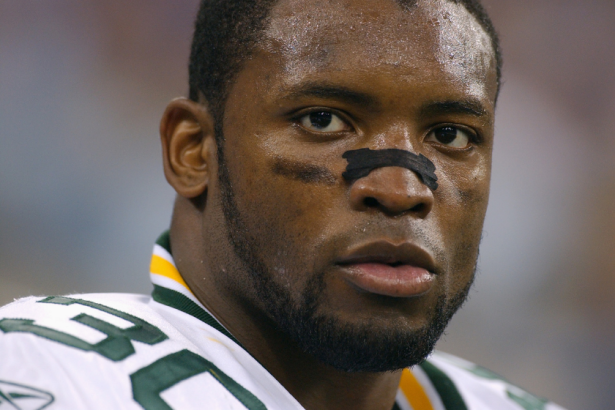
x=285, y=218
x=461, y=208
x=464, y=187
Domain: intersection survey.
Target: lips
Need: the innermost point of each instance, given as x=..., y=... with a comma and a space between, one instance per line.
x=384, y=268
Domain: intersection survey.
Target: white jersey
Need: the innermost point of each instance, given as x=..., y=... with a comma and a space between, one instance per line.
x=135, y=352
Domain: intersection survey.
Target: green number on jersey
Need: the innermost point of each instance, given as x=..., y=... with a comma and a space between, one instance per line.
x=150, y=381
x=116, y=346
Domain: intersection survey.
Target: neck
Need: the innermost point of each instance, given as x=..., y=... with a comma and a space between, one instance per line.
x=314, y=384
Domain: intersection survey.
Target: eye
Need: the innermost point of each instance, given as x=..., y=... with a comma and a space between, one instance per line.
x=450, y=136
x=323, y=121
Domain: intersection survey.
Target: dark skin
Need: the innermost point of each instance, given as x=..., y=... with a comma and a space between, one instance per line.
x=386, y=76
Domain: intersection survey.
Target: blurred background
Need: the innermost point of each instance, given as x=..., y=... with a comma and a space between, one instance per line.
x=82, y=194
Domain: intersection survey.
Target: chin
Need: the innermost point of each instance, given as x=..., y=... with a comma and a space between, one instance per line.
x=365, y=349
x=368, y=346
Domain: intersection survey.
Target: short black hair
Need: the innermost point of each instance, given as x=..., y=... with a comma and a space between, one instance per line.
x=226, y=32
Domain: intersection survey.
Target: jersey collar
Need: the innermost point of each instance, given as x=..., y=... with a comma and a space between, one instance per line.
x=170, y=288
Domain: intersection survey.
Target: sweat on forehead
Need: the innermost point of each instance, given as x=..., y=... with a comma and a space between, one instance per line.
x=411, y=44
x=226, y=33
x=308, y=38
x=297, y=22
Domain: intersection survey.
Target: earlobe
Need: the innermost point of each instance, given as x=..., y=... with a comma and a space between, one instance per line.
x=188, y=146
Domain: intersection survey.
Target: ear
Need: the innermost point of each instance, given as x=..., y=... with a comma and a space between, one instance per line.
x=188, y=146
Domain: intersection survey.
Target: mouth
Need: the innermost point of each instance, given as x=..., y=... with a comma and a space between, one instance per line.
x=398, y=270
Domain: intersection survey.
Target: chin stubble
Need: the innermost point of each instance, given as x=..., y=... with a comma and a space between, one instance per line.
x=344, y=346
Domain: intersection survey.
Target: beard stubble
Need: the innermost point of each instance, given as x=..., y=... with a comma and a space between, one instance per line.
x=344, y=346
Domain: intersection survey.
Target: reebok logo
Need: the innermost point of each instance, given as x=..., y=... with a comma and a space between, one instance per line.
x=18, y=397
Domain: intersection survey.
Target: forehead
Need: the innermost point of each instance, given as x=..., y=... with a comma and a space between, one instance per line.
x=429, y=38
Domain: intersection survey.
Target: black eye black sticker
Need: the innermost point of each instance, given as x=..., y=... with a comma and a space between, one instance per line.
x=363, y=161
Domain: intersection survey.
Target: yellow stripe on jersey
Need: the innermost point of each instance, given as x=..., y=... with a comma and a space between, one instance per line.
x=414, y=392
x=163, y=267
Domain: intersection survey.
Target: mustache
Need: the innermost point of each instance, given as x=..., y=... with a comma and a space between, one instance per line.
x=396, y=233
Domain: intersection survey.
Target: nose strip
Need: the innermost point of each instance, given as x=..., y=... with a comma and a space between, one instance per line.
x=363, y=161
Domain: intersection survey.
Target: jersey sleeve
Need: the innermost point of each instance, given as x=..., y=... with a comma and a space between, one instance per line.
x=51, y=357
x=107, y=351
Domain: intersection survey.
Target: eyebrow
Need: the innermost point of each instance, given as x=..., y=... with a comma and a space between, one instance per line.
x=467, y=107
x=330, y=92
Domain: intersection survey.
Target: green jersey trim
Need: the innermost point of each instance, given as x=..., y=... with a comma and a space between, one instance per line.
x=176, y=299
x=164, y=240
x=180, y=302
x=451, y=398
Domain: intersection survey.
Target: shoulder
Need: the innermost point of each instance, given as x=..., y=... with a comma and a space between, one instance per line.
x=80, y=322
x=102, y=351
x=34, y=304
x=461, y=384
x=60, y=345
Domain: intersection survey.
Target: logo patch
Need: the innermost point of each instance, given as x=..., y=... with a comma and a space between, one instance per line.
x=18, y=397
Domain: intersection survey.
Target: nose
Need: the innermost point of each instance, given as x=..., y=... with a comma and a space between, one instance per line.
x=392, y=190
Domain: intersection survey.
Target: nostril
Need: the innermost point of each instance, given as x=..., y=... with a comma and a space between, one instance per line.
x=370, y=202
x=418, y=208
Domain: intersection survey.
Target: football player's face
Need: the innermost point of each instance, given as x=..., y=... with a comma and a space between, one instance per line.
x=383, y=250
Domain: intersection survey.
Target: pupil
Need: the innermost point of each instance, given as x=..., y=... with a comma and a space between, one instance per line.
x=446, y=135
x=320, y=119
